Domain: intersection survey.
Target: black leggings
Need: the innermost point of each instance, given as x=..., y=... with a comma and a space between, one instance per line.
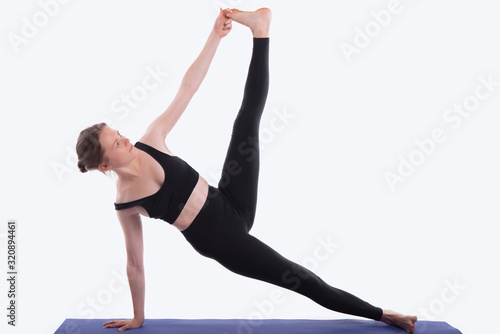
x=221, y=229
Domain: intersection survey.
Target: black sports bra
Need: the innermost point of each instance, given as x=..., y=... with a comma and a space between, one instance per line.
x=180, y=180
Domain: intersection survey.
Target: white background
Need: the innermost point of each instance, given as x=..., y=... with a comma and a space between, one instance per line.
x=322, y=171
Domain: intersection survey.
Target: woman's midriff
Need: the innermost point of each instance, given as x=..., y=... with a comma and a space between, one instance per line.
x=193, y=206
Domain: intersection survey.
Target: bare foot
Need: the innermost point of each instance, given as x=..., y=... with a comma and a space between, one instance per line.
x=258, y=21
x=396, y=319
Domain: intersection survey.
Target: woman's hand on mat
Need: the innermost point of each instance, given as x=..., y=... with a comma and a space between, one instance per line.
x=123, y=324
x=222, y=25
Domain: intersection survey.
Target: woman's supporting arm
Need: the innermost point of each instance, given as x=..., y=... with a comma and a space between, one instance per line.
x=132, y=230
x=191, y=81
x=137, y=288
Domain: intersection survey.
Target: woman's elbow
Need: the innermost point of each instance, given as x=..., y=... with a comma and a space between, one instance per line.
x=135, y=269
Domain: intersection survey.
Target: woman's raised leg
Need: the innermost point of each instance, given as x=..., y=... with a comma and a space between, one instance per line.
x=240, y=172
x=247, y=255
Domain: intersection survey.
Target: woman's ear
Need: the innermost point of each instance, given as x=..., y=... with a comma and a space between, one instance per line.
x=104, y=167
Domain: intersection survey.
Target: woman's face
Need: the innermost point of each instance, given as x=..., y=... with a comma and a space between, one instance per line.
x=118, y=151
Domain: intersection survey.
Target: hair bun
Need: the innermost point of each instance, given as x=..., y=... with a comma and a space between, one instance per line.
x=88, y=148
x=82, y=167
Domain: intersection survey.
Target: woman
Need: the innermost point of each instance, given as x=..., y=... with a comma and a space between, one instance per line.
x=215, y=221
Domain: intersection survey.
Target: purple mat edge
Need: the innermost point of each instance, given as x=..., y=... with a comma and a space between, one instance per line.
x=421, y=324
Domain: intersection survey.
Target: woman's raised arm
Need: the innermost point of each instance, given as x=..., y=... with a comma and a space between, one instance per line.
x=191, y=81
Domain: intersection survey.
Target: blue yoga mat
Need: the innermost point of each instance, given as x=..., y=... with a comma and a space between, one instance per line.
x=242, y=326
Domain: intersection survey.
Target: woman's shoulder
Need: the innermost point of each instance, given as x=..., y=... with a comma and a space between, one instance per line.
x=156, y=142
